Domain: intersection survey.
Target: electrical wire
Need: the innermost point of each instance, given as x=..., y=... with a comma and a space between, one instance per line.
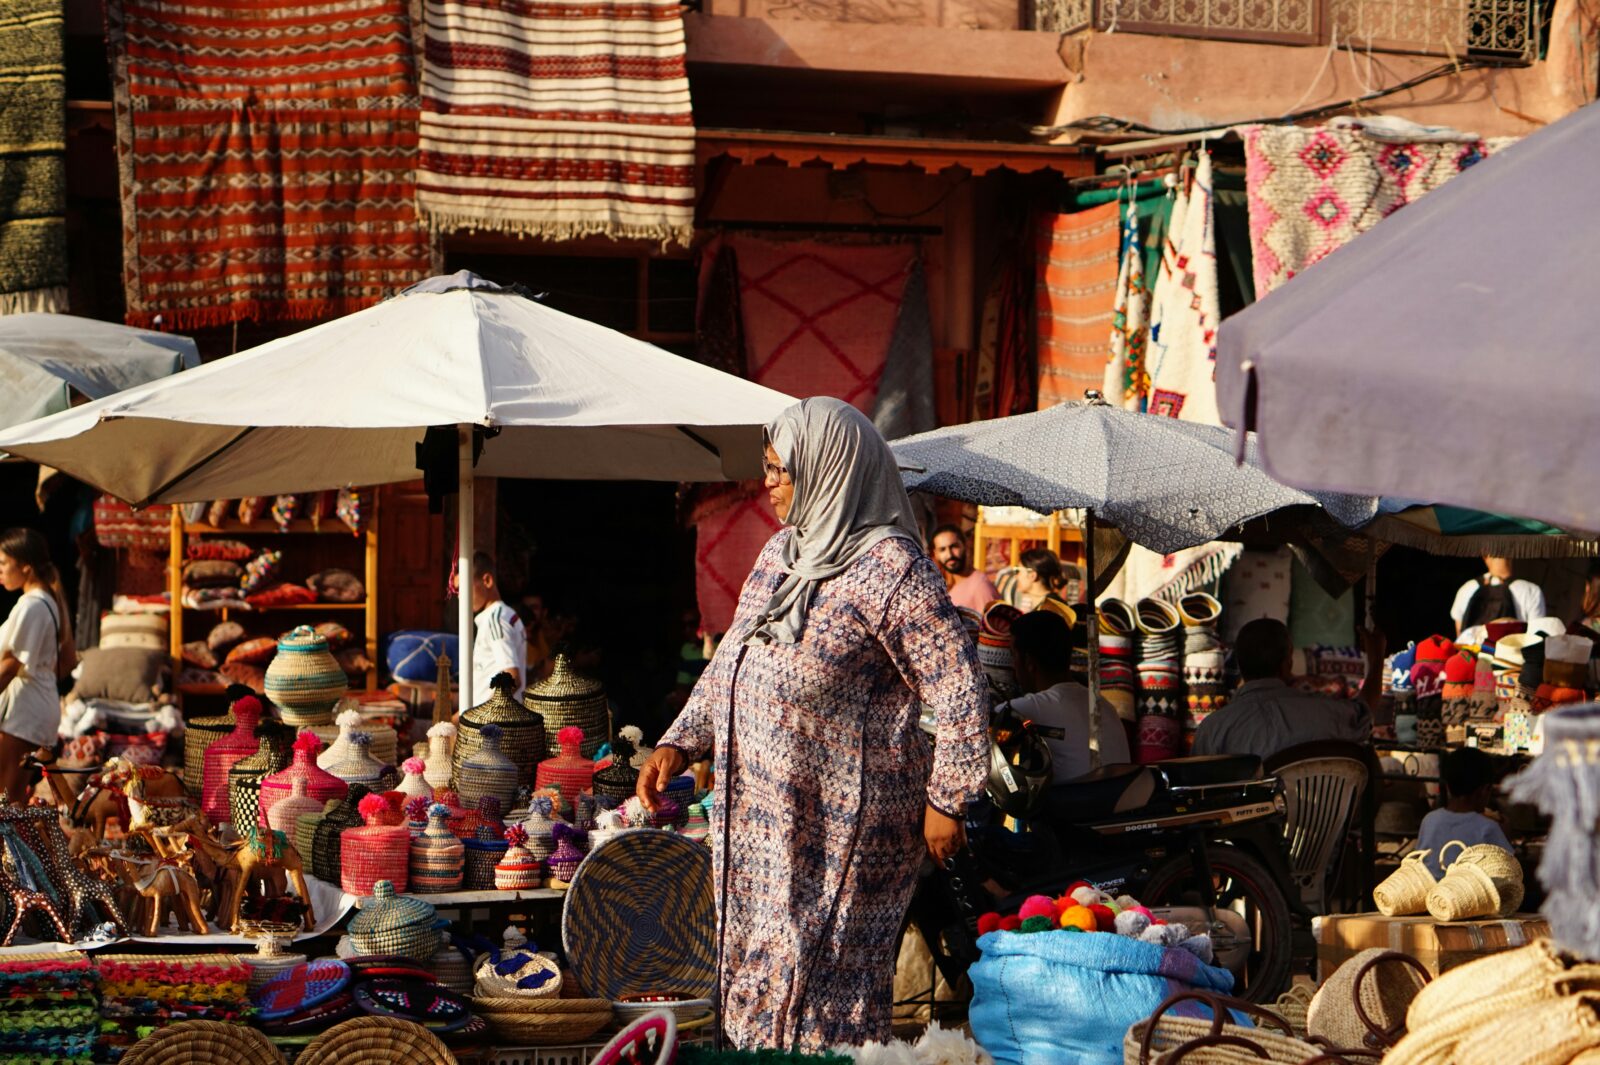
x=1108, y=124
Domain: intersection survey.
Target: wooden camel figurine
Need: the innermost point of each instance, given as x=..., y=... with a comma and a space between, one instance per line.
x=264, y=851
x=166, y=888
x=106, y=798
x=87, y=896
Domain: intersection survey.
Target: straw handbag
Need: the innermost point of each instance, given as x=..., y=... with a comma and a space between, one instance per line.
x=1363, y=1004
x=1164, y=1038
x=1484, y=880
x=1405, y=891
x=1501, y=865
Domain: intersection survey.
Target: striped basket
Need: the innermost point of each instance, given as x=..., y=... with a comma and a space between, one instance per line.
x=286, y=814
x=571, y=772
x=390, y=923
x=375, y=853
x=223, y=753
x=327, y=849
x=437, y=856
x=483, y=854
x=198, y=737
x=568, y=698
x=487, y=771
x=320, y=784
x=385, y=741
x=356, y=765
x=246, y=775
x=522, y=735
x=304, y=679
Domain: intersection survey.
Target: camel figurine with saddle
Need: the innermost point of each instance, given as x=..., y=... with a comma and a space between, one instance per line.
x=122, y=786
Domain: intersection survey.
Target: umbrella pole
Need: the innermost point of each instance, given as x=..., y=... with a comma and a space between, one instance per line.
x=1091, y=635
x=464, y=552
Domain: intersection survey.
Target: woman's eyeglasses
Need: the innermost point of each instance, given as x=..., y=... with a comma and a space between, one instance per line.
x=773, y=472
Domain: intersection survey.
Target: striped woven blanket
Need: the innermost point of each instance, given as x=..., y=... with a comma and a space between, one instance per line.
x=557, y=120
x=33, y=148
x=267, y=150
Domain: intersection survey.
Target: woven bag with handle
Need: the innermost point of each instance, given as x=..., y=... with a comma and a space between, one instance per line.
x=1363, y=1004
x=1162, y=1038
x=1405, y=891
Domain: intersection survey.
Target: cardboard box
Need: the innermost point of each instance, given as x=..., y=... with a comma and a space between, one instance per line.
x=1439, y=946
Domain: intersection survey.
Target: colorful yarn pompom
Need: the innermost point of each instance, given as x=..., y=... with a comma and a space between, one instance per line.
x=1085, y=896
x=571, y=735
x=989, y=922
x=1010, y=923
x=1132, y=923
x=1104, y=919
x=413, y=765
x=306, y=741
x=370, y=807
x=1153, y=935
x=517, y=836
x=1040, y=923
x=1080, y=918
x=416, y=808
x=1037, y=906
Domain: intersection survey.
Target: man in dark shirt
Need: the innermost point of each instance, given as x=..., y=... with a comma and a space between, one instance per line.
x=1266, y=715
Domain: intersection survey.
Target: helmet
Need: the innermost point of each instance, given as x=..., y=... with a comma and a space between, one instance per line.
x=1019, y=764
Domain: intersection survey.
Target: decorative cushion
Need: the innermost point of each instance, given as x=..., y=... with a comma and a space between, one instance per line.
x=217, y=513
x=337, y=635
x=247, y=673
x=284, y=510
x=413, y=654
x=257, y=651
x=147, y=632
x=87, y=750
x=337, y=586
x=251, y=508
x=198, y=654
x=224, y=635
x=219, y=598
x=126, y=674
x=260, y=571
x=282, y=595
x=227, y=550
x=211, y=573
x=354, y=661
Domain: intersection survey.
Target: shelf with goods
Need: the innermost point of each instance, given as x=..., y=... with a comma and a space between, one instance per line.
x=265, y=532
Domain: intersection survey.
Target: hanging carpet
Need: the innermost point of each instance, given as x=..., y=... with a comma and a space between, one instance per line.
x=557, y=120
x=267, y=153
x=1077, y=284
x=1186, y=309
x=33, y=189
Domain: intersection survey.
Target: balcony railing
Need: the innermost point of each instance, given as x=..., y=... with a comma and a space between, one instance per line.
x=1495, y=30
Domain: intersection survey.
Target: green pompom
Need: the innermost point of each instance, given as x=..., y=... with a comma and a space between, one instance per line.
x=1072, y=928
x=1037, y=924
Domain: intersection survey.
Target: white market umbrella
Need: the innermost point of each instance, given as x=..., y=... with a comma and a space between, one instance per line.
x=46, y=358
x=1448, y=353
x=346, y=403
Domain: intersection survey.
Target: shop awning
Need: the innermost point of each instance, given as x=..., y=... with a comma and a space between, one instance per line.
x=839, y=151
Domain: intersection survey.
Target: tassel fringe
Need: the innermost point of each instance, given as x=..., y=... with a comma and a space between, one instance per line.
x=39, y=300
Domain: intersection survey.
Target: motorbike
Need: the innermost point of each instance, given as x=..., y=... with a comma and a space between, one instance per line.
x=1197, y=840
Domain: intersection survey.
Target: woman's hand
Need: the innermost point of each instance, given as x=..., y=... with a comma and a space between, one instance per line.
x=946, y=835
x=664, y=764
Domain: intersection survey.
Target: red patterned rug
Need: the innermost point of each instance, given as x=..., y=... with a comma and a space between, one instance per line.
x=818, y=319
x=267, y=151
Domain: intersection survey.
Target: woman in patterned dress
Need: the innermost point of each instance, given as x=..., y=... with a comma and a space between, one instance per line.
x=827, y=793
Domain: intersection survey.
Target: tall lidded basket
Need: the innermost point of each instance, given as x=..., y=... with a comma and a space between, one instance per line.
x=223, y=753
x=487, y=772
x=375, y=852
x=244, y=779
x=304, y=679
x=568, y=698
x=320, y=784
x=522, y=733
x=570, y=771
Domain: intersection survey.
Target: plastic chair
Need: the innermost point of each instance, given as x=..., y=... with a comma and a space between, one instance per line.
x=1328, y=789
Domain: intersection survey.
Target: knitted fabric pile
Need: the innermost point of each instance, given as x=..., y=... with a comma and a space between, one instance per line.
x=142, y=992
x=33, y=150
x=557, y=120
x=47, y=1008
x=263, y=175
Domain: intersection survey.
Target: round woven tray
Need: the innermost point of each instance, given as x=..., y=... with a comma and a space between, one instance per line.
x=375, y=1041
x=640, y=918
x=204, y=1043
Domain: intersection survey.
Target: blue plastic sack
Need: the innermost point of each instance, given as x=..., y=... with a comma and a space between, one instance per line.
x=413, y=654
x=1068, y=998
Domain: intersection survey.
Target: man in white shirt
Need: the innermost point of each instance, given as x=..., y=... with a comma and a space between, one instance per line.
x=499, y=642
x=1041, y=647
x=1493, y=596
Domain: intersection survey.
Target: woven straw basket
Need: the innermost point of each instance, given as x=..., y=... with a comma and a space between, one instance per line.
x=1363, y=1004
x=204, y=1043
x=199, y=734
x=376, y=1041
x=1465, y=892
x=1502, y=867
x=1405, y=891
x=1553, y=1032
x=1293, y=1005
x=544, y=1022
x=1161, y=1039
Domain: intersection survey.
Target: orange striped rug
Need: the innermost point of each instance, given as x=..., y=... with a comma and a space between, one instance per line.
x=1077, y=289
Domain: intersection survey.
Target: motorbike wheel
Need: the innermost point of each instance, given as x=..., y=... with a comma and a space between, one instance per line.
x=1244, y=886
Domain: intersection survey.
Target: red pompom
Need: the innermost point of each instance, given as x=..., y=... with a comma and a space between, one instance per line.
x=1011, y=923
x=307, y=741
x=989, y=922
x=1037, y=906
x=373, y=806
x=1074, y=886
x=1104, y=919
x=1157, y=920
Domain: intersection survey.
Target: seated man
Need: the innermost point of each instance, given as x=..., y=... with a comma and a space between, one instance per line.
x=1058, y=705
x=1266, y=715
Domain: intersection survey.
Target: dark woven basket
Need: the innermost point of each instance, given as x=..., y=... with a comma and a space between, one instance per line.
x=482, y=856
x=567, y=697
x=522, y=734
x=326, y=856
x=246, y=775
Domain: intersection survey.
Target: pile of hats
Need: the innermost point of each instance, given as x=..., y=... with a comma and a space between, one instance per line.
x=50, y=1010
x=1204, y=661
x=317, y=995
x=1119, y=683
x=1162, y=707
x=1085, y=908
x=994, y=649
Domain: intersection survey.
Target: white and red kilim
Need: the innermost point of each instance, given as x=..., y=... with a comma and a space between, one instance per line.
x=557, y=120
x=267, y=150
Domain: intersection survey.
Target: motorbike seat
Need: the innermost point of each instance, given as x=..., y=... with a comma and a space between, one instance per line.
x=1202, y=769
x=1108, y=790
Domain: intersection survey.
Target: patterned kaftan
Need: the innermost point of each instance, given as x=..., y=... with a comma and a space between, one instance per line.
x=817, y=822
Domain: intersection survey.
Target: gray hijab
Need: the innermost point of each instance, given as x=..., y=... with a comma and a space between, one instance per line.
x=847, y=499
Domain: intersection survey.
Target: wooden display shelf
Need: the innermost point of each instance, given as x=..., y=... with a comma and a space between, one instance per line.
x=224, y=613
x=331, y=527
x=477, y=898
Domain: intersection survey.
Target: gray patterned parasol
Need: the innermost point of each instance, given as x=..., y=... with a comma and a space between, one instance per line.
x=1164, y=483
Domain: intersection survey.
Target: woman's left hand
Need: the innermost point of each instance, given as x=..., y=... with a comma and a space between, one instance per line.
x=946, y=835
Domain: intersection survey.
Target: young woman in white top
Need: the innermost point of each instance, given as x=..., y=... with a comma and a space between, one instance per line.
x=34, y=637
